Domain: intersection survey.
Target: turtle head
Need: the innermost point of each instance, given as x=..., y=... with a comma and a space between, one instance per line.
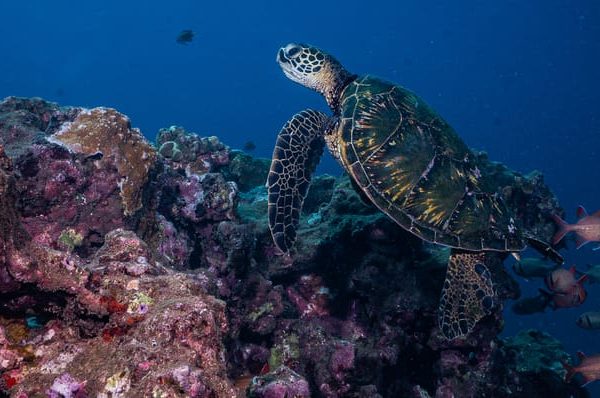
x=314, y=69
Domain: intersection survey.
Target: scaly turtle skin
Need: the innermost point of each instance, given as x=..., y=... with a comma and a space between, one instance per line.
x=408, y=162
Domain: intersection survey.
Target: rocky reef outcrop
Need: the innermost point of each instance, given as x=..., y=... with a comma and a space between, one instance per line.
x=136, y=270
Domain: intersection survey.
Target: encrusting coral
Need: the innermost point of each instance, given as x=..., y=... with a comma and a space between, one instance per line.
x=127, y=271
x=101, y=132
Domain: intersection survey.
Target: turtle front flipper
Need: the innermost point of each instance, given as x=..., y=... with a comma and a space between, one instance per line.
x=468, y=293
x=297, y=152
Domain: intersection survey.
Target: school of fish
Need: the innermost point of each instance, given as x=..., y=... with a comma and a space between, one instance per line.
x=565, y=287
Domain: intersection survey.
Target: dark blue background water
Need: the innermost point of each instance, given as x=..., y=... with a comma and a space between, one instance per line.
x=519, y=79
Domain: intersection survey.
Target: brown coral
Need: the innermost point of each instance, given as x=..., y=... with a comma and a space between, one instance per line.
x=106, y=131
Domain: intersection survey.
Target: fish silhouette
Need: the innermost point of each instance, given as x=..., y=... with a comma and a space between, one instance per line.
x=185, y=36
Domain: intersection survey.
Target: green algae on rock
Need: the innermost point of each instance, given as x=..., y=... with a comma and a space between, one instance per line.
x=69, y=239
x=246, y=171
x=108, y=132
x=529, y=364
x=537, y=351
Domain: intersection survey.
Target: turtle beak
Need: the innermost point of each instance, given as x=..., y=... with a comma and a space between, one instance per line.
x=286, y=66
x=281, y=56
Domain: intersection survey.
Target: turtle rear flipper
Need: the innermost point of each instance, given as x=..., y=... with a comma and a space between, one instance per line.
x=545, y=249
x=468, y=293
x=297, y=152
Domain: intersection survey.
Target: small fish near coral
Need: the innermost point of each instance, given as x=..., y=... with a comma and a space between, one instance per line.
x=589, y=320
x=185, y=36
x=589, y=368
x=587, y=228
x=249, y=146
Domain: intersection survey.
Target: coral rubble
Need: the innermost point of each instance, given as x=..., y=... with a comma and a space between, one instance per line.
x=129, y=271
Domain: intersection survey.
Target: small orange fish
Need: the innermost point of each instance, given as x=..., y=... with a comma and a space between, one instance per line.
x=589, y=367
x=587, y=228
x=242, y=383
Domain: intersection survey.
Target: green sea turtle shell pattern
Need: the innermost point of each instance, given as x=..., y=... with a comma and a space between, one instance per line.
x=415, y=168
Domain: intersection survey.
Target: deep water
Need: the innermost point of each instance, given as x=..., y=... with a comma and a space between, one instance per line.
x=519, y=79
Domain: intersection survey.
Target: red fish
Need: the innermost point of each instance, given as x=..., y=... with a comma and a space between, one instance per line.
x=589, y=367
x=587, y=228
x=563, y=281
x=565, y=290
x=573, y=298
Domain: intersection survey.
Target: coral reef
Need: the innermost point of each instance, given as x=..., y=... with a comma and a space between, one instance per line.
x=127, y=271
x=70, y=195
x=247, y=172
x=104, y=132
x=189, y=151
x=109, y=323
x=282, y=382
x=530, y=364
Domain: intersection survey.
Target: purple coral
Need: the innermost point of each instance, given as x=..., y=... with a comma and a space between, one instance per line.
x=341, y=360
x=310, y=296
x=281, y=383
x=173, y=244
x=192, y=195
x=66, y=386
x=190, y=381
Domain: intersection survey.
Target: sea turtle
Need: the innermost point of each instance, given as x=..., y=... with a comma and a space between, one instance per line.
x=406, y=160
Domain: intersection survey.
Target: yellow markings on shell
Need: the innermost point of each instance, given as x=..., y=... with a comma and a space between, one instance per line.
x=399, y=189
x=394, y=161
x=367, y=144
x=433, y=212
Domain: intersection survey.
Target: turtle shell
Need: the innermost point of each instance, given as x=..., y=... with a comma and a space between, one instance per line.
x=415, y=168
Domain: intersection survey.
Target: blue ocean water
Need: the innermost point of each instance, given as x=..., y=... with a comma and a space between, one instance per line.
x=519, y=79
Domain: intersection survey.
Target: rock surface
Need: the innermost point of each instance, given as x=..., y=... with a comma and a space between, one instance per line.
x=129, y=271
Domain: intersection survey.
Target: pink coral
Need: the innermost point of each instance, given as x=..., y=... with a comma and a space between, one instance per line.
x=342, y=359
x=310, y=296
x=280, y=383
x=65, y=386
x=173, y=244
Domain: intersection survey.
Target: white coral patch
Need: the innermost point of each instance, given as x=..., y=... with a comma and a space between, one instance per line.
x=60, y=363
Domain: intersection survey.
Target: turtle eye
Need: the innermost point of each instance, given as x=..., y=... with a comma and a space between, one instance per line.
x=293, y=51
